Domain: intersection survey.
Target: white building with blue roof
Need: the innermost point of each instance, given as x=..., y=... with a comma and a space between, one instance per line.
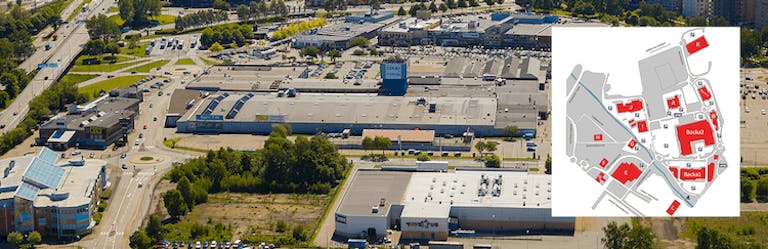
x=57, y=200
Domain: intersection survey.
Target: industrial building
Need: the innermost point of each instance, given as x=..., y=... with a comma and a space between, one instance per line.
x=312, y=113
x=373, y=16
x=336, y=36
x=55, y=199
x=94, y=125
x=435, y=205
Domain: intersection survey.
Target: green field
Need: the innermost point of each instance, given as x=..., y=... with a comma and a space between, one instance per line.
x=117, y=19
x=104, y=67
x=209, y=61
x=77, y=78
x=138, y=51
x=105, y=58
x=148, y=67
x=185, y=61
x=750, y=227
x=93, y=90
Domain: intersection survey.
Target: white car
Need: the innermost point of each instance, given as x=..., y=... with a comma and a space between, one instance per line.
x=137, y=142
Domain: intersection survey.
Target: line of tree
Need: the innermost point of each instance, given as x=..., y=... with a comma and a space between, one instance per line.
x=136, y=13
x=20, y=24
x=226, y=34
x=754, y=184
x=298, y=27
x=378, y=142
x=201, y=18
x=17, y=239
x=261, y=9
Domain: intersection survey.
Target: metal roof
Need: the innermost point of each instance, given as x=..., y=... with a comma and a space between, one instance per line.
x=43, y=173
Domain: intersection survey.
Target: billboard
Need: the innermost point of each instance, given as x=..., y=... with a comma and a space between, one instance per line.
x=270, y=118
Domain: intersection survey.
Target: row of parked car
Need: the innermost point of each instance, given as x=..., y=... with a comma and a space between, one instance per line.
x=237, y=244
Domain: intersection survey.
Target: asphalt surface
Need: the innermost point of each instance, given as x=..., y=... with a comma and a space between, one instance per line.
x=72, y=37
x=131, y=203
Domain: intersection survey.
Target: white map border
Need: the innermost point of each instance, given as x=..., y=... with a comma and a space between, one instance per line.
x=598, y=50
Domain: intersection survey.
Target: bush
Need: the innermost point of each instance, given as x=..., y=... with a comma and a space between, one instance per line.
x=422, y=157
x=358, y=52
x=492, y=161
x=331, y=76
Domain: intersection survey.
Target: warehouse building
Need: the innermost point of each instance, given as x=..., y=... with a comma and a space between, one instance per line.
x=336, y=36
x=433, y=205
x=312, y=113
x=58, y=200
x=95, y=125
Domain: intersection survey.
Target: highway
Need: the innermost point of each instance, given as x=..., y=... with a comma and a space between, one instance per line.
x=72, y=37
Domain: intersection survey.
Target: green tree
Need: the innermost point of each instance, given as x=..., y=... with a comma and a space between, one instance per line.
x=34, y=238
x=112, y=48
x=221, y=4
x=720, y=21
x=382, y=143
x=490, y=146
x=401, y=11
x=584, y=8
x=100, y=27
x=15, y=238
x=174, y=203
x=511, y=130
x=646, y=21
x=331, y=75
x=433, y=7
x=762, y=190
x=492, y=161
x=708, y=238
x=11, y=84
x=626, y=237
x=696, y=21
x=451, y=4
x=243, y=12
x=216, y=47
x=443, y=7
x=281, y=226
x=747, y=190
x=368, y=144
x=154, y=227
x=136, y=13
x=375, y=4
x=490, y=2
x=334, y=54
x=185, y=188
x=480, y=147
x=94, y=47
x=311, y=51
x=359, y=41
x=299, y=233
x=500, y=1
x=548, y=165
x=140, y=240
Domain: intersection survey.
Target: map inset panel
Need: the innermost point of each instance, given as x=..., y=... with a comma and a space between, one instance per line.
x=649, y=122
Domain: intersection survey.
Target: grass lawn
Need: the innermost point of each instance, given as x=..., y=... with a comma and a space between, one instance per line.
x=164, y=19
x=185, y=61
x=113, y=9
x=103, y=58
x=209, y=61
x=107, y=85
x=148, y=67
x=104, y=67
x=117, y=19
x=77, y=78
x=137, y=51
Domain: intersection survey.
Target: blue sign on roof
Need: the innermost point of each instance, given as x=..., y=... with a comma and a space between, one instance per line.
x=209, y=117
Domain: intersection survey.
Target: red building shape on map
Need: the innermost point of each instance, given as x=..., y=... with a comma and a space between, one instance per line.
x=632, y=106
x=697, y=45
x=626, y=172
x=673, y=103
x=674, y=171
x=713, y=116
x=673, y=207
x=689, y=174
x=598, y=137
x=704, y=93
x=642, y=126
x=603, y=162
x=688, y=133
x=632, y=143
x=600, y=178
x=710, y=171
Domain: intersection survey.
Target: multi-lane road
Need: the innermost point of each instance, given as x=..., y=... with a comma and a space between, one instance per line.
x=72, y=37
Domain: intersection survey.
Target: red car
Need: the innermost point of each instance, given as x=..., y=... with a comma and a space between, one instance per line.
x=145, y=127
